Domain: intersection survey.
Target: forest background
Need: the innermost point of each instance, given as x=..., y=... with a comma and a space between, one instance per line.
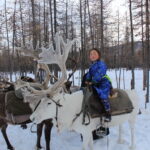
x=119, y=29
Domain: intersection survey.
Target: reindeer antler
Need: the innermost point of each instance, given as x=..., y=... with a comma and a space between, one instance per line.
x=57, y=56
x=28, y=50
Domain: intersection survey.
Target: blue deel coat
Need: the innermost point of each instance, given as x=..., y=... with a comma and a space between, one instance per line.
x=97, y=75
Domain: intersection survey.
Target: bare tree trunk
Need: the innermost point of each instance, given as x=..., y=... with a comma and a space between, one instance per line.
x=29, y=25
x=124, y=86
x=72, y=37
x=22, y=23
x=55, y=17
x=91, y=28
x=116, y=78
x=118, y=52
x=34, y=29
x=14, y=35
x=66, y=19
x=51, y=19
x=39, y=34
x=34, y=25
x=143, y=47
x=52, y=29
x=84, y=33
x=44, y=14
x=82, y=42
x=147, y=49
x=132, y=47
x=55, y=30
x=72, y=25
x=8, y=45
x=102, y=28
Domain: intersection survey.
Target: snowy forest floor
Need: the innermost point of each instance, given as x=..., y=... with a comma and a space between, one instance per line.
x=25, y=140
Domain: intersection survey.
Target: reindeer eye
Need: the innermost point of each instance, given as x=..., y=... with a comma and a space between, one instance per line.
x=48, y=103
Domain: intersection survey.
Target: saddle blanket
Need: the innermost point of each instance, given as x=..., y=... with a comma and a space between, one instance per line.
x=119, y=104
x=15, y=105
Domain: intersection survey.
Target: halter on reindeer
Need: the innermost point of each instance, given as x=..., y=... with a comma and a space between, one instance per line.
x=63, y=107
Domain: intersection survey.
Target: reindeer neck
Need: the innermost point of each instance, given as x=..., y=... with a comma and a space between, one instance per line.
x=72, y=103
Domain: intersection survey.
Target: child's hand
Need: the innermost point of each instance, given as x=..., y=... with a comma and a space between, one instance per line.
x=88, y=83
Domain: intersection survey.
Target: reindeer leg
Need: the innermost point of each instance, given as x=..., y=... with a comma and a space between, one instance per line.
x=120, y=140
x=91, y=142
x=132, y=127
x=39, y=134
x=3, y=130
x=87, y=141
x=48, y=127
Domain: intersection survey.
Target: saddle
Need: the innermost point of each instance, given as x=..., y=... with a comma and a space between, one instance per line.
x=13, y=109
x=16, y=110
x=120, y=103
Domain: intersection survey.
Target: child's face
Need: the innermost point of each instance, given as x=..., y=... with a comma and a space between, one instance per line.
x=94, y=55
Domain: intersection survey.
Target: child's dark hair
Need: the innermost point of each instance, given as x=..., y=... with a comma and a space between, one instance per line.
x=97, y=50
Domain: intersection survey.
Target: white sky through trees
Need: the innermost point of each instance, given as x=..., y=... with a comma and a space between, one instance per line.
x=115, y=5
x=119, y=5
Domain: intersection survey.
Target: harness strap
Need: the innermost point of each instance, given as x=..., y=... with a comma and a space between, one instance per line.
x=56, y=115
x=37, y=106
x=57, y=105
x=84, y=115
x=31, y=128
x=77, y=115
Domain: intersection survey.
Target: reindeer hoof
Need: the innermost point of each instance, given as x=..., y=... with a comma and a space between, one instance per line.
x=132, y=147
x=121, y=141
x=39, y=148
x=11, y=148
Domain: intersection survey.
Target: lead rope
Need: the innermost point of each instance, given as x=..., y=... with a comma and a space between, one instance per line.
x=56, y=116
x=31, y=128
x=57, y=105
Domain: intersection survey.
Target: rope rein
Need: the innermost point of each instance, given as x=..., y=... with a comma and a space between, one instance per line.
x=37, y=106
x=57, y=105
x=31, y=128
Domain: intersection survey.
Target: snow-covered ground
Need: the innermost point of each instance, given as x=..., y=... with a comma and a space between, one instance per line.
x=25, y=140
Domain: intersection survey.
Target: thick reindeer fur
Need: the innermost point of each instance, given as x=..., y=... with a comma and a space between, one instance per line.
x=71, y=105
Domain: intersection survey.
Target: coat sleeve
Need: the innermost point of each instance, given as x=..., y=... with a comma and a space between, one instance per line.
x=98, y=72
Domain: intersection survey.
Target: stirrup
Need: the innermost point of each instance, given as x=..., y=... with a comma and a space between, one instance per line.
x=101, y=131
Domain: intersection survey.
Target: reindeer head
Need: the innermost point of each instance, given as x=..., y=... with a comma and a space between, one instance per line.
x=46, y=108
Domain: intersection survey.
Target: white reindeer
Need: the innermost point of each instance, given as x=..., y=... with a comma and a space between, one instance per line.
x=71, y=105
x=63, y=107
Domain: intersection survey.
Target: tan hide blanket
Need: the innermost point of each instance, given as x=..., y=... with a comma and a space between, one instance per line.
x=120, y=103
